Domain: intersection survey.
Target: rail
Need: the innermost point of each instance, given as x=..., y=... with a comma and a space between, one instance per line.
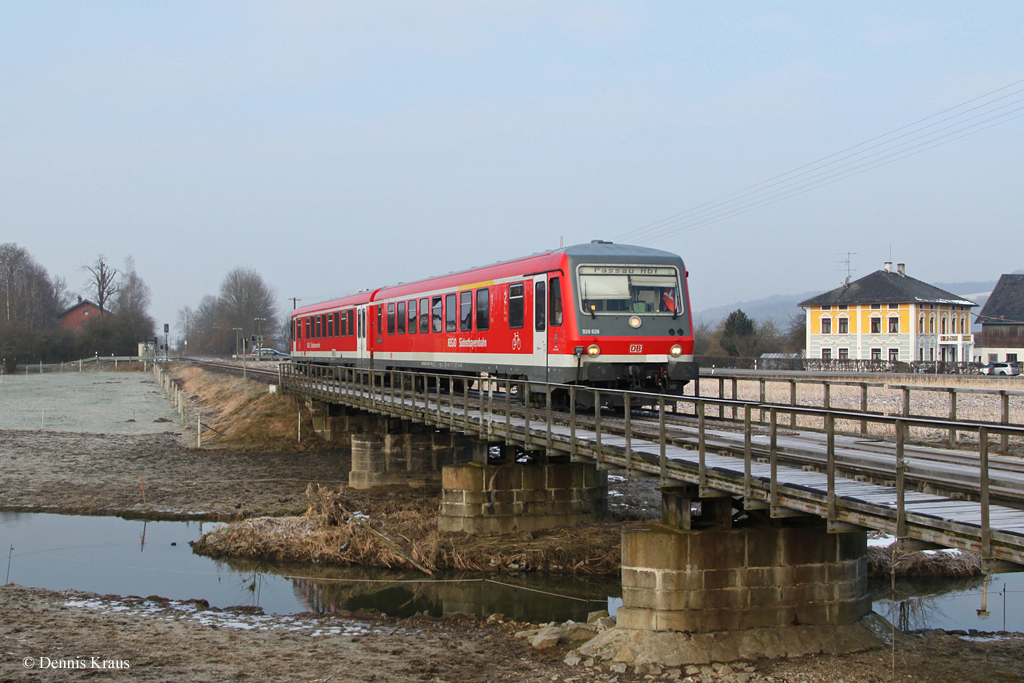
x=446, y=401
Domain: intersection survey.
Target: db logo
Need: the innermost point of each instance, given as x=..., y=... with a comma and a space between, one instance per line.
x=517, y=343
x=636, y=348
x=452, y=342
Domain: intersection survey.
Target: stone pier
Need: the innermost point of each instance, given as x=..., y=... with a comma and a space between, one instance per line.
x=487, y=500
x=727, y=585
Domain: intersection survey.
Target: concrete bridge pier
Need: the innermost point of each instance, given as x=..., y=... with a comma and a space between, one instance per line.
x=491, y=499
x=723, y=586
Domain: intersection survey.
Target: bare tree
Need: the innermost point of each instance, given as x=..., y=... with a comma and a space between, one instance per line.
x=103, y=282
x=130, y=305
x=28, y=294
x=246, y=301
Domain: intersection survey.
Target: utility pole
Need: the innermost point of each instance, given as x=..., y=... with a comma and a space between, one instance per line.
x=238, y=332
x=295, y=302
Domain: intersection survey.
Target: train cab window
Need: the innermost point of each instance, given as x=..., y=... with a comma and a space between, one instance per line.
x=436, y=315
x=297, y=329
x=555, y=301
x=515, y=306
x=483, y=308
x=539, y=308
x=401, y=317
x=424, y=316
x=414, y=321
x=380, y=323
x=451, y=314
x=391, y=318
x=352, y=321
x=466, y=311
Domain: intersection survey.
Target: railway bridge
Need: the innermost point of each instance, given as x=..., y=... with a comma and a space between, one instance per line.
x=764, y=514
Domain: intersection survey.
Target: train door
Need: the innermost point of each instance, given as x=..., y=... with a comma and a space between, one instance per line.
x=540, y=327
x=362, y=353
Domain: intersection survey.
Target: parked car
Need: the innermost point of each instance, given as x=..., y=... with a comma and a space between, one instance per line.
x=1009, y=368
x=268, y=354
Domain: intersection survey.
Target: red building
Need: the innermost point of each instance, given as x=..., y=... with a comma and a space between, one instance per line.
x=78, y=315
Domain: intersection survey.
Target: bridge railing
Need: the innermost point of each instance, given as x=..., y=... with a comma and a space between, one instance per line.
x=997, y=401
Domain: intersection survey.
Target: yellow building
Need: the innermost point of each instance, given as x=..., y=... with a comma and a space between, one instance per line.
x=889, y=316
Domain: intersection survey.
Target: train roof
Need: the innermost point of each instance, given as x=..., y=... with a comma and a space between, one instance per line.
x=540, y=262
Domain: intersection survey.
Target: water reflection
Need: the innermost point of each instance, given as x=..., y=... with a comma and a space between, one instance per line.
x=982, y=603
x=132, y=557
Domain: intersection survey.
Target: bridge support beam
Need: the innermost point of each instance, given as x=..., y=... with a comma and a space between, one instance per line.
x=399, y=454
x=487, y=500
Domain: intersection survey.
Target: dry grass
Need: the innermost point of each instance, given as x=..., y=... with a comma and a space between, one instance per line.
x=245, y=414
x=923, y=564
x=329, y=534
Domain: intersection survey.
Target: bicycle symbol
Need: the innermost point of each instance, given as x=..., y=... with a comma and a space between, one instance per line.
x=517, y=343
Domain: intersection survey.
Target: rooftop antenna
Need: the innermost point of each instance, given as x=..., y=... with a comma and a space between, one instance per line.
x=561, y=242
x=846, y=261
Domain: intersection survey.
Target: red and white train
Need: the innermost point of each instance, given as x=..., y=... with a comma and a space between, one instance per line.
x=598, y=314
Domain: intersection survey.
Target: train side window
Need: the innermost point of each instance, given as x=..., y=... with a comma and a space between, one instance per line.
x=309, y=324
x=466, y=311
x=391, y=318
x=555, y=298
x=436, y=317
x=337, y=323
x=515, y=306
x=424, y=316
x=380, y=322
x=413, y=317
x=401, y=317
x=344, y=324
x=483, y=308
x=539, y=308
x=319, y=327
x=330, y=324
x=451, y=314
x=352, y=321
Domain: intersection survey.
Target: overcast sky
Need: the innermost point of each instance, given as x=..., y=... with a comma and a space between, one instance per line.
x=335, y=146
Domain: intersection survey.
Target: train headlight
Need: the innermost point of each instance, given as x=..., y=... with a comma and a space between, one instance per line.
x=675, y=351
x=634, y=321
x=593, y=350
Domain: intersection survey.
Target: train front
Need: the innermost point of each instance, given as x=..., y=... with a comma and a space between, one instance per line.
x=632, y=316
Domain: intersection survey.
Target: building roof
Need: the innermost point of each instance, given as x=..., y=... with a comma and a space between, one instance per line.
x=884, y=287
x=1005, y=306
x=79, y=304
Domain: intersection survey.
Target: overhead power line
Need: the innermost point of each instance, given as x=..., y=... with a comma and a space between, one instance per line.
x=989, y=110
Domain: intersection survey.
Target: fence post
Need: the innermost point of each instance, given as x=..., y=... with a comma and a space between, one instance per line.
x=952, y=416
x=627, y=412
x=773, y=456
x=792, y=402
x=662, y=458
x=508, y=411
x=830, y=467
x=1004, y=419
x=864, y=408
x=572, y=421
x=901, y=486
x=986, y=532
x=748, y=486
x=701, y=444
x=547, y=398
x=597, y=425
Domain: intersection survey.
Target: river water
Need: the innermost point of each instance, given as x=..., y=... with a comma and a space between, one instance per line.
x=129, y=557
x=110, y=555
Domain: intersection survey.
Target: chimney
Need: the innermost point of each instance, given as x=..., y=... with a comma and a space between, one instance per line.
x=901, y=268
x=888, y=266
